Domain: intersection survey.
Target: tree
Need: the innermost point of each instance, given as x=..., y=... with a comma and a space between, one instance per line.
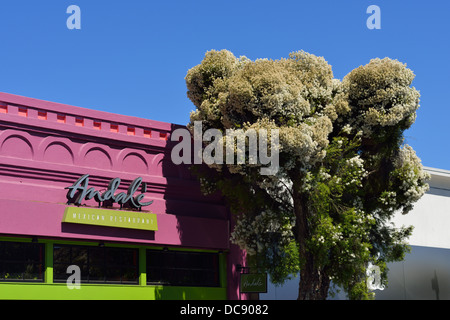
x=344, y=169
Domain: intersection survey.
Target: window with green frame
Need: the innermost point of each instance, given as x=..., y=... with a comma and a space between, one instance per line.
x=111, y=265
x=182, y=268
x=22, y=261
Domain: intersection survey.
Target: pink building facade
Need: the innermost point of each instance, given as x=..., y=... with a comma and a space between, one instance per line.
x=45, y=148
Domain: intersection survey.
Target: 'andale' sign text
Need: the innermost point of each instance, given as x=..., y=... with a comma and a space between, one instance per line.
x=80, y=191
x=253, y=282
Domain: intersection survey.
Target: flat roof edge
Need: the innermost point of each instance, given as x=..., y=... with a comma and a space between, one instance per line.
x=437, y=171
x=85, y=112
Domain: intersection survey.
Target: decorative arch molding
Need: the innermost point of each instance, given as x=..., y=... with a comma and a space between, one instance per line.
x=65, y=151
x=96, y=156
x=56, y=149
x=135, y=161
x=162, y=166
x=21, y=148
x=156, y=165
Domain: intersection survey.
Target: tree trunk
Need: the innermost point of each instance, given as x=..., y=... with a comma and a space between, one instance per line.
x=314, y=282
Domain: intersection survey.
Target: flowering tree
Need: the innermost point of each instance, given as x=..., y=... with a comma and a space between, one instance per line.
x=344, y=169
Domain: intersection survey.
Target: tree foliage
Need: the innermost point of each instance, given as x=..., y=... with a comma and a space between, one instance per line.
x=344, y=168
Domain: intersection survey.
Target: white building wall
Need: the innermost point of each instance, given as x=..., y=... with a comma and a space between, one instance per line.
x=425, y=272
x=431, y=214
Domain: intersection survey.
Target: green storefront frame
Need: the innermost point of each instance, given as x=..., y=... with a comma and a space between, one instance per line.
x=142, y=291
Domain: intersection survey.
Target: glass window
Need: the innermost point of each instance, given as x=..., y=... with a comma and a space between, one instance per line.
x=97, y=264
x=182, y=268
x=21, y=261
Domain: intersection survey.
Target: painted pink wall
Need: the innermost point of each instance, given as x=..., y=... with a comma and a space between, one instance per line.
x=46, y=146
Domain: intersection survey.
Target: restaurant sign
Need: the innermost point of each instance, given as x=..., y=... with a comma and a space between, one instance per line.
x=80, y=191
x=253, y=283
x=111, y=218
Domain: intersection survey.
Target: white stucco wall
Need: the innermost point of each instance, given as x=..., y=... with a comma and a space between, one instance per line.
x=431, y=214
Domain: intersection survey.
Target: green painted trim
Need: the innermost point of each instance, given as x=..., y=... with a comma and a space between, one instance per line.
x=18, y=239
x=184, y=249
x=107, y=244
x=111, y=218
x=223, y=270
x=32, y=291
x=142, y=266
x=48, y=277
x=190, y=293
x=143, y=291
x=53, y=241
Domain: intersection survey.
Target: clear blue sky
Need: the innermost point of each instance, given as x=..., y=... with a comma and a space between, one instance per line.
x=131, y=57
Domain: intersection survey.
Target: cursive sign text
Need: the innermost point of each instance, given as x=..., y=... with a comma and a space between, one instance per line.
x=80, y=191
